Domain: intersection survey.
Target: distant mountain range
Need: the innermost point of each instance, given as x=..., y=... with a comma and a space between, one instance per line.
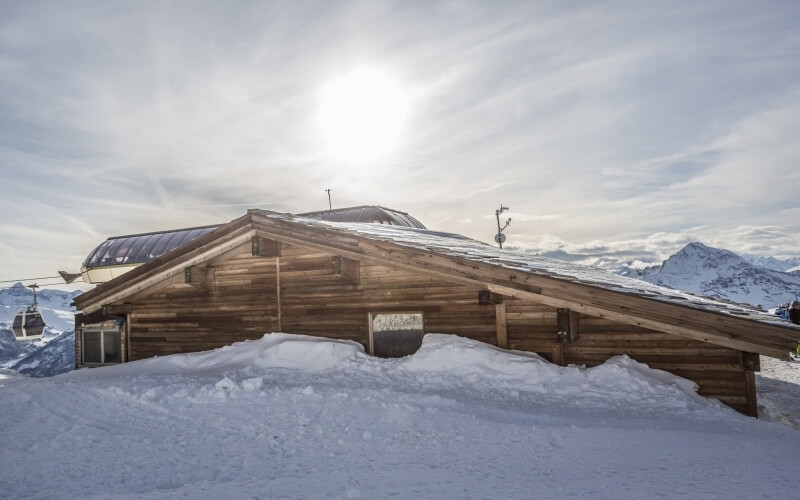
x=720, y=273
x=38, y=358
x=696, y=268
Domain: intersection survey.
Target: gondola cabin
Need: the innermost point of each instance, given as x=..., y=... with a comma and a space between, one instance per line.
x=28, y=323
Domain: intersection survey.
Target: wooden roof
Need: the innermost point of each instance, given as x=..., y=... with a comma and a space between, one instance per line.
x=459, y=259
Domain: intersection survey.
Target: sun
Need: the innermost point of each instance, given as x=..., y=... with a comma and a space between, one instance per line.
x=361, y=115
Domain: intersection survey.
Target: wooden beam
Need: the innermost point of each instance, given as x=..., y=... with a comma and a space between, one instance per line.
x=89, y=319
x=173, y=279
x=278, y=290
x=562, y=321
x=567, y=321
x=574, y=326
x=500, y=319
x=558, y=354
x=489, y=298
x=201, y=277
x=117, y=309
x=126, y=344
x=751, y=362
x=752, y=396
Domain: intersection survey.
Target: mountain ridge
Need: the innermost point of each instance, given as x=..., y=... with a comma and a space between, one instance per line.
x=703, y=270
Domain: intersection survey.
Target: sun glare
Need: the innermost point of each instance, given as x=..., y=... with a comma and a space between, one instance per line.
x=361, y=115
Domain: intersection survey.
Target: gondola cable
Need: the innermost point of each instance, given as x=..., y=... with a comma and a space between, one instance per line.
x=30, y=279
x=64, y=275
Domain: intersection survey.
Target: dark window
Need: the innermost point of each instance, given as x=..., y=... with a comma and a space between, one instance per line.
x=92, y=352
x=396, y=335
x=112, y=347
x=101, y=347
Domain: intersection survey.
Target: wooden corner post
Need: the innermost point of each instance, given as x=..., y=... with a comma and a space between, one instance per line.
x=502, y=332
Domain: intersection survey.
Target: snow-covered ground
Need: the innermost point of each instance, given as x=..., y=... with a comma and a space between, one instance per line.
x=778, y=386
x=290, y=416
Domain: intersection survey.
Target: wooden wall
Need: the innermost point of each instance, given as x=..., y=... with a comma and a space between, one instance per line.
x=301, y=292
x=718, y=371
x=184, y=318
x=316, y=302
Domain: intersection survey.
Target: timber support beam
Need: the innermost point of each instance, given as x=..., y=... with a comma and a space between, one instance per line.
x=567, y=325
x=117, y=309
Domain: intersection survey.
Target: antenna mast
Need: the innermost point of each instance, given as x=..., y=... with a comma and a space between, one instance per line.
x=500, y=237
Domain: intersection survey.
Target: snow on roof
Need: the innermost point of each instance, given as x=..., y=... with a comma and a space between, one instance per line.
x=456, y=245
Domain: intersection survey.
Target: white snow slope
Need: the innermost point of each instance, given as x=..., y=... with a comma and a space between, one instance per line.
x=291, y=416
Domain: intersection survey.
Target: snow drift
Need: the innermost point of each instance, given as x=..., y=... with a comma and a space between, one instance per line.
x=290, y=416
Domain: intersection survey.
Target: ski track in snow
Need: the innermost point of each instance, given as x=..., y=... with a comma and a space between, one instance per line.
x=361, y=427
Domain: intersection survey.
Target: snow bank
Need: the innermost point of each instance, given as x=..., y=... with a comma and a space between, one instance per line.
x=442, y=362
x=274, y=350
x=290, y=416
x=620, y=378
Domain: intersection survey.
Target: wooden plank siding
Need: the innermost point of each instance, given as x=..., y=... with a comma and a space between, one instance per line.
x=717, y=371
x=182, y=318
x=558, y=291
x=302, y=291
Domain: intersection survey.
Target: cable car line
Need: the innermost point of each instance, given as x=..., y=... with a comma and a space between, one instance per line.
x=30, y=279
x=64, y=275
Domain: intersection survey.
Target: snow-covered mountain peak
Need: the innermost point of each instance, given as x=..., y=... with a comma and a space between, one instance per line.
x=698, y=257
x=716, y=272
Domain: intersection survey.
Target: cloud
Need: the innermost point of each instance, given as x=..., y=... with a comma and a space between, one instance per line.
x=655, y=248
x=597, y=123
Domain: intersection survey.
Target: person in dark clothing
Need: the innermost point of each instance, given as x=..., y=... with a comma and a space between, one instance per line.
x=794, y=312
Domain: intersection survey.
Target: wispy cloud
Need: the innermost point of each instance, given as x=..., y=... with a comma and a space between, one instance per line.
x=595, y=122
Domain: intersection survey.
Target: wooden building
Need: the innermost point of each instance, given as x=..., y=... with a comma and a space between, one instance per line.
x=268, y=272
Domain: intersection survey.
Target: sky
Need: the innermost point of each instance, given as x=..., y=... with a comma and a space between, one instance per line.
x=616, y=131
x=291, y=416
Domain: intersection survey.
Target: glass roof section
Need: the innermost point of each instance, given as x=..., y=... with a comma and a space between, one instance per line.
x=141, y=248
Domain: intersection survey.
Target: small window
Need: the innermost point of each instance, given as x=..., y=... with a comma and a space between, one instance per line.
x=395, y=335
x=101, y=347
x=92, y=347
x=112, y=347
